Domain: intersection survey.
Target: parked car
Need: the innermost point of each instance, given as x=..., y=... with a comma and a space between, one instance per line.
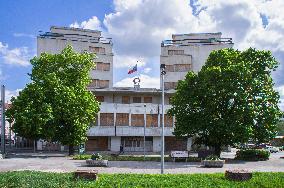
x=281, y=148
x=272, y=149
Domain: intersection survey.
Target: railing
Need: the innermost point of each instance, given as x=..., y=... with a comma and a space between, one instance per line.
x=185, y=42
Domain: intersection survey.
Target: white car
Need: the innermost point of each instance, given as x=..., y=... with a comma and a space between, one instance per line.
x=272, y=149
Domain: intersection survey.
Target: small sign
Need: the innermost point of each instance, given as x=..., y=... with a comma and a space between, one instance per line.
x=179, y=154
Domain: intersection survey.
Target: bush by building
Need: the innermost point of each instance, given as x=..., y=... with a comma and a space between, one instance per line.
x=252, y=155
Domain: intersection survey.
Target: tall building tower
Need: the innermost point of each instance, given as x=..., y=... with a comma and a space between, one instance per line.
x=82, y=40
x=188, y=52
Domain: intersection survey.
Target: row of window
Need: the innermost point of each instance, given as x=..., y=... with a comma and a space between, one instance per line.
x=170, y=85
x=99, y=50
x=122, y=119
x=126, y=99
x=178, y=68
x=96, y=83
x=102, y=66
x=175, y=52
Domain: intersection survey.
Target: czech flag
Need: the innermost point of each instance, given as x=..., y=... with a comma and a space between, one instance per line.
x=134, y=69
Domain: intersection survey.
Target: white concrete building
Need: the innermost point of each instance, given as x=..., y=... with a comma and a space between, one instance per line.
x=126, y=114
x=82, y=40
x=188, y=52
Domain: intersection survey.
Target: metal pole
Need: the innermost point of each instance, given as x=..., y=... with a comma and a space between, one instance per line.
x=163, y=138
x=10, y=135
x=144, y=130
x=3, y=119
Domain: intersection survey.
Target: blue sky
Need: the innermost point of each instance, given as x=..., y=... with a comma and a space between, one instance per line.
x=137, y=28
x=22, y=20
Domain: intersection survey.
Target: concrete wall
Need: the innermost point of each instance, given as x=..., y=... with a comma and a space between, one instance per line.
x=80, y=41
x=195, y=54
x=157, y=144
x=128, y=131
x=115, y=143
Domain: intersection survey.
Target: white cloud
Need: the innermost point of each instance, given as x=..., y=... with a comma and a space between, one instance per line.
x=16, y=56
x=138, y=27
x=128, y=61
x=280, y=89
x=147, y=70
x=11, y=93
x=93, y=23
x=146, y=82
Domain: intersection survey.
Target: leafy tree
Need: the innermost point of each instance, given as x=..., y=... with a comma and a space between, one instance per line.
x=280, y=128
x=231, y=100
x=56, y=105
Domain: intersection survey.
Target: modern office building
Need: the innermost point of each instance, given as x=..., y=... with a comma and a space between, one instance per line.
x=127, y=114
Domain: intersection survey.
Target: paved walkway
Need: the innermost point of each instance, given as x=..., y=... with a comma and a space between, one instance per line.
x=59, y=163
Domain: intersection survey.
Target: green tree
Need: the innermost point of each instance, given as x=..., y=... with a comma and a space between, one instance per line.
x=231, y=100
x=56, y=105
x=280, y=128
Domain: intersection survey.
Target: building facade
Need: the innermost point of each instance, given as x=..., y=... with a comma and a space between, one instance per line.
x=131, y=115
x=82, y=40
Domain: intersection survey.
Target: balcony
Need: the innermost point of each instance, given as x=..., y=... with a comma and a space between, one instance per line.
x=128, y=131
x=134, y=108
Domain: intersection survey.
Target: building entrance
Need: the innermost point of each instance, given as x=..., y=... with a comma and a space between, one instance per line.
x=136, y=143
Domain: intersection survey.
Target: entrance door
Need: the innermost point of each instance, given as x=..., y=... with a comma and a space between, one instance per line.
x=136, y=143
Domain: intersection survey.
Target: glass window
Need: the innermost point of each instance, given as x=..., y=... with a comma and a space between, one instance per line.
x=136, y=99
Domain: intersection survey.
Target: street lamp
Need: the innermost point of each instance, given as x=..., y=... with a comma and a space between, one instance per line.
x=3, y=119
x=163, y=72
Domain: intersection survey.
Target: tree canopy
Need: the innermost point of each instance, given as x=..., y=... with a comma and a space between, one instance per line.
x=56, y=105
x=231, y=99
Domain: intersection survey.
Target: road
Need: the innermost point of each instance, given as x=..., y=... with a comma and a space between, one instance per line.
x=58, y=163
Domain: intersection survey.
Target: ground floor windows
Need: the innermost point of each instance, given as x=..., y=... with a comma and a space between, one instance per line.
x=136, y=143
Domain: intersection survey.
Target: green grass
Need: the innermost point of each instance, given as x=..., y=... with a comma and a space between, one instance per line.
x=30, y=179
x=132, y=158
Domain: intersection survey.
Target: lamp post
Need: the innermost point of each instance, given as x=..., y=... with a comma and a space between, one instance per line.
x=3, y=119
x=163, y=72
x=145, y=116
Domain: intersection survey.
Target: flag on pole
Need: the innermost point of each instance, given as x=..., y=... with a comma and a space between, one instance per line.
x=134, y=69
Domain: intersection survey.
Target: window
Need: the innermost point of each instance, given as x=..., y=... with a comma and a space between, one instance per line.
x=125, y=99
x=136, y=99
x=103, y=83
x=97, y=49
x=170, y=68
x=170, y=85
x=152, y=120
x=170, y=100
x=122, y=119
x=137, y=120
x=182, y=67
x=175, y=52
x=178, y=68
x=100, y=98
x=106, y=119
x=99, y=83
x=102, y=66
x=93, y=83
x=147, y=99
x=168, y=121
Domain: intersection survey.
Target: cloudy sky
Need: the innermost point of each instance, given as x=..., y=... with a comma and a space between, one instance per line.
x=137, y=28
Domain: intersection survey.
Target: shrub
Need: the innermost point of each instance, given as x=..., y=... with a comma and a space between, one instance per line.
x=212, y=158
x=96, y=156
x=81, y=157
x=252, y=155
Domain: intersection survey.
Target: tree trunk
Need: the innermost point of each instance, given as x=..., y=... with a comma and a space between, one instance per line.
x=71, y=149
x=217, y=150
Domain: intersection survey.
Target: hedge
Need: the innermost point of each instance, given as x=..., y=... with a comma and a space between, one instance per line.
x=252, y=155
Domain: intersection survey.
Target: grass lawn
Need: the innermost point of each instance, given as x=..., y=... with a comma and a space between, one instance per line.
x=29, y=179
